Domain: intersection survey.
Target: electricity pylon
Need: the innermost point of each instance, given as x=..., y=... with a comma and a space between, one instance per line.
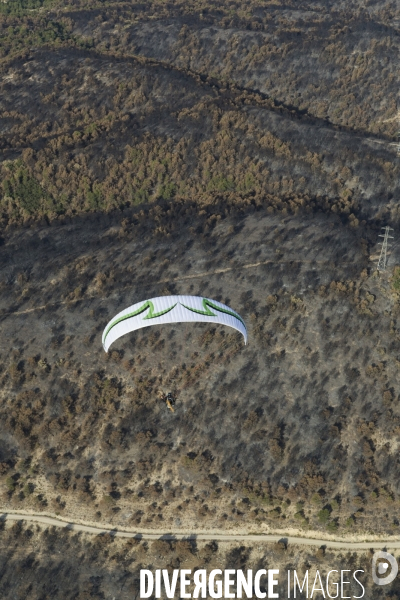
x=382, y=262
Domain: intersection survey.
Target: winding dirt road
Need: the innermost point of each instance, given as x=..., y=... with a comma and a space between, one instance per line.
x=220, y=537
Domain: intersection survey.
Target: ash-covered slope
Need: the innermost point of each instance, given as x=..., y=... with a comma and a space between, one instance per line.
x=294, y=105
x=307, y=412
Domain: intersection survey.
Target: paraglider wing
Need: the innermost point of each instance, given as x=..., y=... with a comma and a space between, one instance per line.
x=171, y=309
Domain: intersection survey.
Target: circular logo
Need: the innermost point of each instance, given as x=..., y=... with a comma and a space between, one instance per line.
x=382, y=562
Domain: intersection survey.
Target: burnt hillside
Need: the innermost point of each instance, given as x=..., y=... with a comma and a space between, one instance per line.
x=117, y=105
x=303, y=419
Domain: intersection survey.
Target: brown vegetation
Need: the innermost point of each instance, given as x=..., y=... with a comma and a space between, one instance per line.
x=143, y=144
x=286, y=431
x=113, y=107
x=39, y=563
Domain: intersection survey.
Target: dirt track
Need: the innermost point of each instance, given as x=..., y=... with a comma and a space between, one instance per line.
x=172, y=280
x=221, y=537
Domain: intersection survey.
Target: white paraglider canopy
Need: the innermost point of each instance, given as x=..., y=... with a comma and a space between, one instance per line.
x=171, y=309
